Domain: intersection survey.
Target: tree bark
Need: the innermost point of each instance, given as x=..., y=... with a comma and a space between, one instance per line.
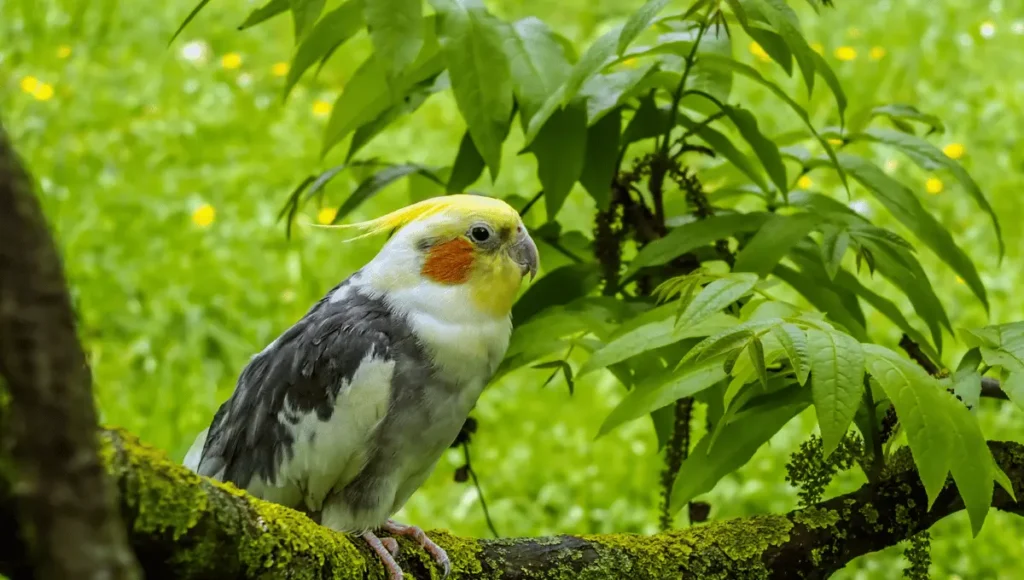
x=65, y=506
x=187, y=527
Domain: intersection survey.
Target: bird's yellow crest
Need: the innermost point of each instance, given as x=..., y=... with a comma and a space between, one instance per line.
x=463, y=203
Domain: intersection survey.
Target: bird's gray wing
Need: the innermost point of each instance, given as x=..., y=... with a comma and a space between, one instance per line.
x=300, y=373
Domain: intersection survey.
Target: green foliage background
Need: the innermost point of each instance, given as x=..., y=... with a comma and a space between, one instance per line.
x=130, y=138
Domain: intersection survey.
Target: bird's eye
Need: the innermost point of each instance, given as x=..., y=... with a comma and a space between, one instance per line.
x=480, y=233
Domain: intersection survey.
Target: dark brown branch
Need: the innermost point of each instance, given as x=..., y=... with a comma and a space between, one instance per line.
x=186, y=527
x=914, y=351
x=65, y=503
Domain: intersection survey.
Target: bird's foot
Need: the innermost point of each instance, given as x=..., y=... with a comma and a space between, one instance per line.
x=391, y=545
x=437, y=552
x=386, y=552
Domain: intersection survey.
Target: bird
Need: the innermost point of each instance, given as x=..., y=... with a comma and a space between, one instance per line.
x=347, y=412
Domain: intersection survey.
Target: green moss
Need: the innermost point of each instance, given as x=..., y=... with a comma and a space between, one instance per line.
x=817, y=518
x=464, y=554
x=167, y=499
x=870, y=513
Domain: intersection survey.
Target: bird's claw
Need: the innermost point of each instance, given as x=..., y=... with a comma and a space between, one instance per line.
x=391, y=545
x=437, y=552
x=385, y=553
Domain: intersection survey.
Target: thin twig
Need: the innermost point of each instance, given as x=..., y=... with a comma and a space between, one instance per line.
x=479, y=490
x=529, y=204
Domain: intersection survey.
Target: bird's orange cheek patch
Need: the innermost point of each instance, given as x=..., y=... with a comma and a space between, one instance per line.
x=450, y=262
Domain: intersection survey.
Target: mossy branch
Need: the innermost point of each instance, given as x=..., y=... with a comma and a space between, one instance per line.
x=184, y=526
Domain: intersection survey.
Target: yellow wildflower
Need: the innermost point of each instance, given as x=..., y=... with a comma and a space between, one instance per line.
x=43, y=92
x=954, y=150
x=759, y=52
x=63, y=51
x=846, y=53
x=280, y=69
x=204, y=215
x=835, y=142
x=231, y=60
x=326, y=215
x=29, y=84
x=933, y=185
x=805, y=182
x=321, y=108
x=959, y=280
x=818, y=47
x=877, y=53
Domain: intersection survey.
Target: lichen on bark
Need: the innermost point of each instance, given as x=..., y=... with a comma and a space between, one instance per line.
x=184, y=526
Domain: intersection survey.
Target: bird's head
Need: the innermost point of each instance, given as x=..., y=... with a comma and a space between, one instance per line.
x=474, y=245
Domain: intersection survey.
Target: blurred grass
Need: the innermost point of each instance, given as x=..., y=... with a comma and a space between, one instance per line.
x=162, y=170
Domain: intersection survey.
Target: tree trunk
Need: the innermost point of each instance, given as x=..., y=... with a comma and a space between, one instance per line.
x=65, y=506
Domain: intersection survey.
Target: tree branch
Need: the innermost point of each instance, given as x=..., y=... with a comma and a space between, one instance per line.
x=183, y=526
x=65, y=504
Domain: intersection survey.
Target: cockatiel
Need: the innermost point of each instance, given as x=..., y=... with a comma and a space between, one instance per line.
x=346, y=413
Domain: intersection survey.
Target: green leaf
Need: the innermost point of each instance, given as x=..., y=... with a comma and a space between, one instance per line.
x=735, y=445
x=396, y=31
x=917, y=398
x=601, y=155
x=366, y=95
x=649, y=121
x=834, y=244
x=903, y=112
x=469, y=165
x=728, y=64
x=693, y=235
x=722, y=146
x=1013, y=386
x=336, y=27
x=559, y=286
x=794, y=342
x=664, y=389
x=716, y=296
x=560, y=148
x=638, y=22
x=929, y=157
x=823, y=298
x=375, y=183
x=784, y=21
x=537, y=62
x=967, y=379
x=837, y=383
x=766, y=150
x=756, y=352
x=774, y=45
x=907, y=208
x=195, y=11
x=653, y=335
x=589, y=64
x=606, y=92
x=265, y=12
x=472, y=43
x=808, y=258
x=1002, y=345
x=305, y=13
x=972, y=465
x=413, y=100
x=773, y=241
x=826, y=72
x=887, y=308
x=901, y=268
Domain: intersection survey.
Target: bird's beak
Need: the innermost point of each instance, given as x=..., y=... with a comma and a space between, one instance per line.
x=524, y=253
